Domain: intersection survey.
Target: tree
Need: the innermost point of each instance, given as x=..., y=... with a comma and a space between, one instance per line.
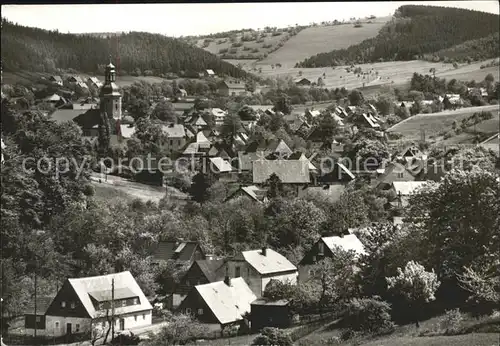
x=199, y=188
x=328, y=127
x=384, y=105
x=164, y=111
x=416, y=285
x=230, y=128
x=273, y=336
x=334, y=278
x=282, y=104
x=484, y=284
x=348, y=212
x=320, y=82
x=182, y=329
x=275, y=186
x=277, y=290
x=459, y=221
x=356, y=98
x=489, y=78
x=402, y=113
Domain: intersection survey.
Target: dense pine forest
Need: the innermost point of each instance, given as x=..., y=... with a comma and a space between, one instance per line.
x=33, y=49
x=416, y=31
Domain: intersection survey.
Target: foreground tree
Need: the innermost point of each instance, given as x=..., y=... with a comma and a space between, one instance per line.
x=416, y=285
x=273, y=337
x=199, y=188
x=459, y=221
x=181, y=330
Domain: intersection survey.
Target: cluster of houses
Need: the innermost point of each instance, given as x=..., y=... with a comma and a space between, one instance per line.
x=219, y=292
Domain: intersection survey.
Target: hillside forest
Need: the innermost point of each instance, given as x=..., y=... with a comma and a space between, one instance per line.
x=37, y=50
x=418, y=32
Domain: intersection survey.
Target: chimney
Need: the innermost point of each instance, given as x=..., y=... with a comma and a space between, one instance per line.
x=227, y=280
x=264, y=251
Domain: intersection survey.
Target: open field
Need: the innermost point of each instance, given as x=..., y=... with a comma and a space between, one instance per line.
x=321, y=39
x=224, y=43
x=434, y=123
x=123, y=81
x=485, y=129
x=479, y=339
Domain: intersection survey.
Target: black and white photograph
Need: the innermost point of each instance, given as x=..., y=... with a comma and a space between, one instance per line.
x=250, y=173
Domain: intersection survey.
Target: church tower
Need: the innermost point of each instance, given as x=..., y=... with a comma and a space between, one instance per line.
x=111, y=99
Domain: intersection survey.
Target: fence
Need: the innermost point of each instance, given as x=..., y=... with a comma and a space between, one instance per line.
x=315, y=322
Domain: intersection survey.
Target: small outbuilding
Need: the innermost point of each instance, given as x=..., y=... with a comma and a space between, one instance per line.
x=267, y=313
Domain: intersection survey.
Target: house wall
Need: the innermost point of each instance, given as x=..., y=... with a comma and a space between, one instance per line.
x=194, y=276
x=192, y=305
x=173, y=145
x=57, y=325
x=270, y=316
x=248, y=273
x=312, y=257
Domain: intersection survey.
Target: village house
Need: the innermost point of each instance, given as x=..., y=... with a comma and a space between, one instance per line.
x=75, y=79
x=302, y=82
x=294, y=173
x=221, y=303
x=197, y=122
x=325, y=247
x=181, y=108
x=252, y=193
x=268, y=313
x=199, y=273
x=221, y=169
x=56, y=80
x=371, y=121
x=219, y=115
x=401, y=192
x=55, y=100
x=84, y=302
x=258, y=267
x=393, y=171
x=36, y=318
x=183, y=251
x=200, y=146
x=181, y=93
x=231, y=88
x=410, y=153
x=261, y=149
x=312, y=113
x=94, y=82
x=176, y=137
x=209, y=73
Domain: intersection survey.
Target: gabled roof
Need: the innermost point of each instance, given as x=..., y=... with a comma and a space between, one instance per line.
x=406, y=188
x=300, y=156
x=210, y=268
x=56, y=78
x=389, y=169
x=210, y=72
x=53, y=98
x=124, y=281
x=315, y=113
x=62, y=115
x=227, y=303
x=176, y=250
x=371, y=120
x=270, y=263
x=127, y=131
x=42, y=304
x=254, y=192
x=245, y=159
x=345, y=242
x=222, y=165
x=174, y=130
x=201, y=138
x=289, y=171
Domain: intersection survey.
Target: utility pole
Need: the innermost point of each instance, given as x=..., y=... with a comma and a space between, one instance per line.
x=35, y=302
x=112, y=308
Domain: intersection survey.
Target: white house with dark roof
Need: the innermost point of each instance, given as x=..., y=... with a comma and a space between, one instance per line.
x=219, y=303
x=291, y=172
x=86, y=301
x=252, y=192
x=258, y=267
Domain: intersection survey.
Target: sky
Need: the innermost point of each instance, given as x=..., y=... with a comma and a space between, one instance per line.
x=197, y=19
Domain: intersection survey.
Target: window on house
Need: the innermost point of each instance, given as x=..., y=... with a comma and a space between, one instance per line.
x=38, y=319
x=143, y=316
x=188, y=310
x=237, y=272
x=124, y=302
x=63, y=304
x=136, y=301
x=73, y=305
x=179, y=142
x=57, y=324
x=135, y=318
x=400, y=175
x=314, y=258
x=200, y=312
x=321, y=248
x=77, y=327
x=171, y=142
x=116, y=106
x=101, y=306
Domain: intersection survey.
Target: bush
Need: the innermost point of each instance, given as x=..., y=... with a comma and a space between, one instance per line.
x=273, y=336
x=276, y=33
x=448, y=134
x=451, y=321
x=223, y=50
x=237, y=44
x=369, y=315
x=267, y=45
x=126, y=339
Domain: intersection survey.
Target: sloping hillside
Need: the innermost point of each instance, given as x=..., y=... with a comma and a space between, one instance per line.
x=414, y=32
x=315, y=40
x=32, y=49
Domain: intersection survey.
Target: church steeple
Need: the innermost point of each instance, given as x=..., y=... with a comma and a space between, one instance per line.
x=111, y=98
x=110, y=72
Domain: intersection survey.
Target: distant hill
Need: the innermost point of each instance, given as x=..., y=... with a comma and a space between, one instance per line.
x=415, y=31
x=33, y=49
x=473, y=50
